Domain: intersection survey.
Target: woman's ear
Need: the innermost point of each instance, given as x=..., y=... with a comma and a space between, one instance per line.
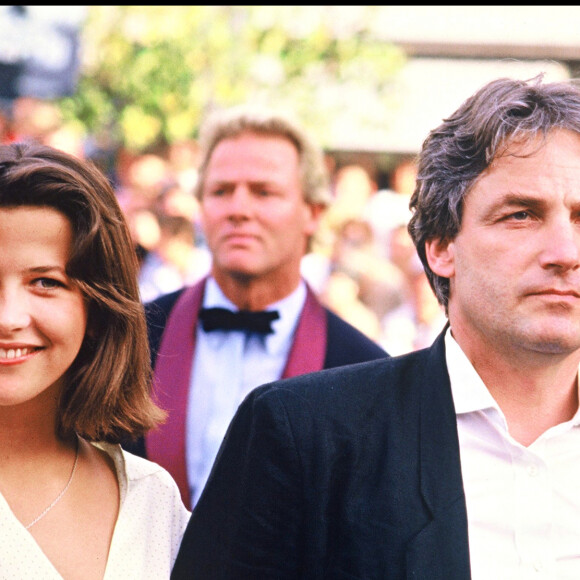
x=440, y=255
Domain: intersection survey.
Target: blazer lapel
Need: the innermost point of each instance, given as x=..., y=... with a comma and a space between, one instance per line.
x=441, y=549
x=166, y=444
x=309, y=346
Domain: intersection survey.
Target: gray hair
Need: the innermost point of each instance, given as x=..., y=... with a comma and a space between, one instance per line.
x=457, y=152
x=231, y=123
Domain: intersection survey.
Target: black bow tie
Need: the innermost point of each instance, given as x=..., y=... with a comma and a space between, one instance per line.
x=224, y=319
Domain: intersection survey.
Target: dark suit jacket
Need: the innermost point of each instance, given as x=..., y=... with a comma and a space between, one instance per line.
x=348, y=473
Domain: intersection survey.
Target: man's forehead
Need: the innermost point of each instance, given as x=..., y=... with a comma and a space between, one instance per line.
x=253, y=152
x=240, y=139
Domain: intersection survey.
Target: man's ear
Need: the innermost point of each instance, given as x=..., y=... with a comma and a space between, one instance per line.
x=440, y=255
x=315, y=212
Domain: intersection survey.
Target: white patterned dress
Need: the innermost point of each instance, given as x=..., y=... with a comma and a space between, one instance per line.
x=151, y=523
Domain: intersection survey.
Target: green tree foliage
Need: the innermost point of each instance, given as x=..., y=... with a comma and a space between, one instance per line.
x=150, y=73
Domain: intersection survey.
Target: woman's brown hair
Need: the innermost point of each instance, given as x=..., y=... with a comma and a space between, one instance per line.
x=106, y=396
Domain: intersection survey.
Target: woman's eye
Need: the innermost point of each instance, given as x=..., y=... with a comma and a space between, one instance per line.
x=48, y=283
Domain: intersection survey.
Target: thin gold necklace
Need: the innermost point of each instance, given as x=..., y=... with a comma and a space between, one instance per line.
x=61, y=494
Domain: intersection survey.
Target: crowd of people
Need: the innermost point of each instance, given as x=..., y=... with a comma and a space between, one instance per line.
x=362, y=263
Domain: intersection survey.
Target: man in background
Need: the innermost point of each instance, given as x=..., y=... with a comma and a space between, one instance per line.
x=262, y=187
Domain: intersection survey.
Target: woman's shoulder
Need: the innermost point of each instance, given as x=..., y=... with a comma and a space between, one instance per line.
x=135, y=468
x=152, y=517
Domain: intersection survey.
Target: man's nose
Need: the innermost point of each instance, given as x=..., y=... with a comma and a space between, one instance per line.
x=240, y=202
x=561, y=246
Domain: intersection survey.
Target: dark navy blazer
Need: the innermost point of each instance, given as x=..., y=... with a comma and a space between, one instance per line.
x=348, y=473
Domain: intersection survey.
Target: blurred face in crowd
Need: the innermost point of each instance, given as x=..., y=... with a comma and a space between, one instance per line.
x=514, y=267
x=254, y=215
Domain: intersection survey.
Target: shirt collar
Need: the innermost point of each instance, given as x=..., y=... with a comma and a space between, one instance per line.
x=289, y=309
x=468, y=390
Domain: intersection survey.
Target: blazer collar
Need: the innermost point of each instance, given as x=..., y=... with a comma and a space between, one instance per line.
x=445, y=539
x=441, y=468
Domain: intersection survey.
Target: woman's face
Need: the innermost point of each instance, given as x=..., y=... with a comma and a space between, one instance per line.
x=43, y=315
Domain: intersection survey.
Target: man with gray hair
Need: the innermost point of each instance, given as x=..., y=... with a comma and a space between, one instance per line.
x=262, y=189
x=458, y=461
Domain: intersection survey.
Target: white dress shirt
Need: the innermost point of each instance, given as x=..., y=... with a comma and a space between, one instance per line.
x=227, y=365
x=523, y=503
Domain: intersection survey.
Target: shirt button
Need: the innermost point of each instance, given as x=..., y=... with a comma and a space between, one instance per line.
x=538, y=565
x=532, y=470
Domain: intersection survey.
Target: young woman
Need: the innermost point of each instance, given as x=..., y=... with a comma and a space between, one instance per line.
x=74, y=382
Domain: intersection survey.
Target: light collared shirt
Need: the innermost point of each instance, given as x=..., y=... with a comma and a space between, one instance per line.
x=148, y=532
x=227, y=365
x=523, y=503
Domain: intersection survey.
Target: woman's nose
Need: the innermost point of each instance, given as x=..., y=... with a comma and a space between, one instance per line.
x=14, y=312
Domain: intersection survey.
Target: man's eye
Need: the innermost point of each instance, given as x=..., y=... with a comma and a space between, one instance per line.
x=520, y=215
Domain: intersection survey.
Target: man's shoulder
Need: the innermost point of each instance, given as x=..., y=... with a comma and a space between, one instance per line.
x=362, y=377
x=158, y=310
x=361, y=395
x=347, y=345
x=402, y=373
x=157, y=314
x=163, y=304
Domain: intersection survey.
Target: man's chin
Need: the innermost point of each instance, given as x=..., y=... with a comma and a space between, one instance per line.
x=241, y=272
x=551, y=342
x=237, y=265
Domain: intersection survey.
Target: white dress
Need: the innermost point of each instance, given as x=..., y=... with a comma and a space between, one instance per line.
x=147, y=535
